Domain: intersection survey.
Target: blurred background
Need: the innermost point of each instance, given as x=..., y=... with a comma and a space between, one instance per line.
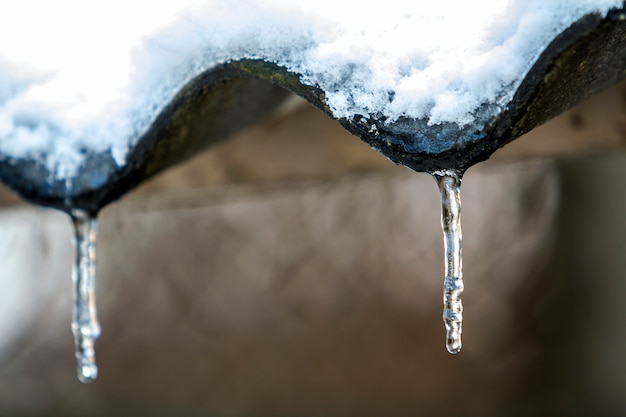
x=292, y=271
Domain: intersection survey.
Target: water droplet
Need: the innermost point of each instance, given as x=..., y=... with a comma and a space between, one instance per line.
x=85, y=324
x=449, y=182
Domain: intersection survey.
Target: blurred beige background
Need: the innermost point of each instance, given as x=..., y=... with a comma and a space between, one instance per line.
x=294, y=271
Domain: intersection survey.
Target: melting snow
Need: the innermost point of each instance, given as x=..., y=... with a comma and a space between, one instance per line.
x=80, y=77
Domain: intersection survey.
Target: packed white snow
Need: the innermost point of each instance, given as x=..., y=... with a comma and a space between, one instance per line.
x=79, y=76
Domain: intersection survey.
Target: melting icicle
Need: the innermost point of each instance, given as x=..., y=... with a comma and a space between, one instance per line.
x=450, y=184
x=85, y=324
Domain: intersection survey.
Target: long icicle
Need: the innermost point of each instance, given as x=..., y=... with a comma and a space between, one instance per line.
x=449, y=182
x=85, y=324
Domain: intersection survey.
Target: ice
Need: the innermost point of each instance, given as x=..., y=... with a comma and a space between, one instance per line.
x=85, y=325
x=450, y=187
x=78, y=77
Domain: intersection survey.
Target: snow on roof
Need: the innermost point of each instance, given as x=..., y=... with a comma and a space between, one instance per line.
x=80, y=77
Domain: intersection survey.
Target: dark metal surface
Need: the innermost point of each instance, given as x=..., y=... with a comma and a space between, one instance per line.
x=587, y=57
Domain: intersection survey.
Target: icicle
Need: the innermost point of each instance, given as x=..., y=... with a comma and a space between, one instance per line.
x=85, y=324
x=449, y=184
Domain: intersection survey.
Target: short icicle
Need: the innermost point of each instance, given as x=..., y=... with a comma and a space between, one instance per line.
x=449, y=182
x=85, y=324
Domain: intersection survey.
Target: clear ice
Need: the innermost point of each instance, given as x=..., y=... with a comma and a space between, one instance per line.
x=85, y=324
x=449, y=182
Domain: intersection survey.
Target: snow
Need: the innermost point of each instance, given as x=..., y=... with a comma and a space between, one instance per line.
x=80, y=77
